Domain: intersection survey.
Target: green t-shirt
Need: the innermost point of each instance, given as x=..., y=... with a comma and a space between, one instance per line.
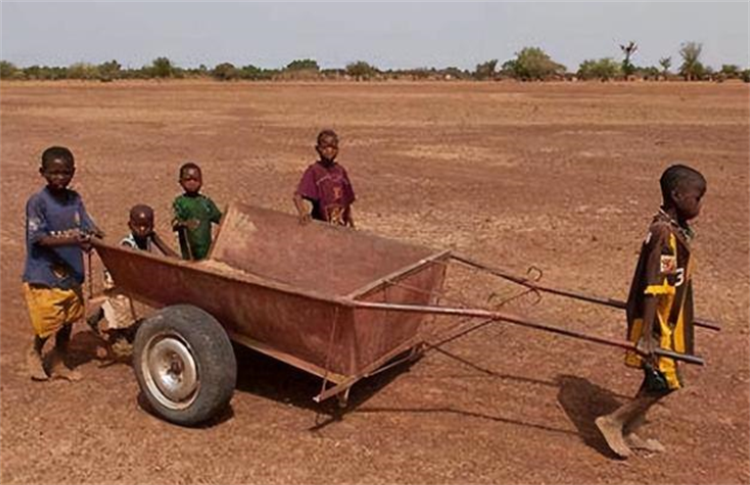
x=205, y=211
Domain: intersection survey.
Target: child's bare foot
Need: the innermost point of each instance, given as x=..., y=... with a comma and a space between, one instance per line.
x=637, y=443
x=59, y=370
x=612, y=432
x=35, y=366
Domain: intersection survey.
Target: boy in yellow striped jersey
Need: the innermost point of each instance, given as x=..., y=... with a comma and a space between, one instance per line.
x=660, y=307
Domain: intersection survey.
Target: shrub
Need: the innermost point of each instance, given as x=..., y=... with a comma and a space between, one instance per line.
x=486, y=70
x=361, y=70
x=225, y=72
x=691, y=67
x=533, y=63
x=303, y=65
x=604, y=69
x=8, y=70
x=162, y=67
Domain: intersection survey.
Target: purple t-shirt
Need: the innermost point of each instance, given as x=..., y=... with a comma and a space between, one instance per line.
x=329, y=190
x=46, y=215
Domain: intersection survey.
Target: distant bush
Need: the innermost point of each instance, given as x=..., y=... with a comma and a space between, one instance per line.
x=604, y=69
x=691, y=68
x=162, y=67
x=665, y=63
x=361, y=70
x=731, y=71
x=8, y=70
x=649, y=72
x=225, y=72
x=254, y=73
x=532, y=63
x=486, y=70
x=84, y=71
x=109, y=71
x=303, y=65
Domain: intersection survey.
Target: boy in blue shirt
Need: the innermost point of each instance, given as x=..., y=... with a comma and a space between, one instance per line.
x=58, y=228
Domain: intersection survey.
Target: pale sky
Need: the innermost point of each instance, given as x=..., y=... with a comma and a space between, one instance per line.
x=388, y=35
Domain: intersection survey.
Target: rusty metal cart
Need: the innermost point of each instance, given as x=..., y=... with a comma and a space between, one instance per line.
x=337, y=303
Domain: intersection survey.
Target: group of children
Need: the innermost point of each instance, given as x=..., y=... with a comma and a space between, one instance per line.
x=59, y=230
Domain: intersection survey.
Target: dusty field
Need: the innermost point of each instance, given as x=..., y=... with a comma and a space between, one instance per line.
x=564, y=177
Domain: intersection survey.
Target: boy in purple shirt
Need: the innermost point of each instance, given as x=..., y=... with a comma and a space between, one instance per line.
x=326, y=186
x=57, y=228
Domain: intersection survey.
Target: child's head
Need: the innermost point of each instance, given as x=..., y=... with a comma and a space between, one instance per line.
x=141, y=221
x=682, y=188
x=58, y=167
x=191, y=178
x=327, y=146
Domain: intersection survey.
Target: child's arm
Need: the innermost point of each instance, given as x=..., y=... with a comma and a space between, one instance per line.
x=349, y=199
x=306, y=189
x=38, y=232
x=181, y=219
x=302, y=211
x=214, y=214
x=162, y=246
x=647, y=343
x=87, y=224
x=660, y=266
x=349, y=218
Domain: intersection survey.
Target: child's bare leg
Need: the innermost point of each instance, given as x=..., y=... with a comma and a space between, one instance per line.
x=611, y=426
x=34, y=360
x=632, y=438
x=59, y=367
x=615, y=425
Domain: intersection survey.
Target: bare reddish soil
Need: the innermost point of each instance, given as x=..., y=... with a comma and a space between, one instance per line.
x=561, y=176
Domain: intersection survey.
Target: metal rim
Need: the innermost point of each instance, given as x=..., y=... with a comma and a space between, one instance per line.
x=170, y=371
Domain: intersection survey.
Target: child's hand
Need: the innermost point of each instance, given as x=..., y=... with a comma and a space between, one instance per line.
x=192, y=224
x=646, y=347
x=84, y=240
x=305, y=218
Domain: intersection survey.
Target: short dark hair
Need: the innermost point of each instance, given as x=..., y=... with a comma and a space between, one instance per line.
x=57, y=153
x=326, y=133
x=677, y=175
x=187, y=166
x=138, y=209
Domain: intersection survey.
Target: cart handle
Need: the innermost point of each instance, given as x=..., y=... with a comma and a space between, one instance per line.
x=611, y=302
x=517, y=320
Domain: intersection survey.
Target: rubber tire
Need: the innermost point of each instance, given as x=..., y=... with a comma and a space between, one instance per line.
x=212, y=352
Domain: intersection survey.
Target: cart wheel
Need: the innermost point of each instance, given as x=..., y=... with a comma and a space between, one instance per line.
x=185, y=364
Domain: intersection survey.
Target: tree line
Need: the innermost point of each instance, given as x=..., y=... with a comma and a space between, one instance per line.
x=529, y=64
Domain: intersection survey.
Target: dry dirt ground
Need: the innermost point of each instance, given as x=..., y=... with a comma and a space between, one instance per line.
x=560, y=176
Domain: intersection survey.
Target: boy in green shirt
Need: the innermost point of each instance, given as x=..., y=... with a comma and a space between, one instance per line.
x=193, y=214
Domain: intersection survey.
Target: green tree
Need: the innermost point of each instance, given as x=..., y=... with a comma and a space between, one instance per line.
x=691, y=67
x=225, y=72
x=533, y=63
x=361, y=70
x=82, y=70
x=109, y=71
x=627, y=67
x=486, y=70
x=604, y=69
x=257, y=73
x=665, y=63
x=731, y=71
x=162, y=67
x=8, y=70
x=303, y=65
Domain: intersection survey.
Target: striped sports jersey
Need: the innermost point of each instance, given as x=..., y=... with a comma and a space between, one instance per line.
x=663, y=271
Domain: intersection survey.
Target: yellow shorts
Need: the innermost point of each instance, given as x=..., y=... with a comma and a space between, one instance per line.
x=51, y=308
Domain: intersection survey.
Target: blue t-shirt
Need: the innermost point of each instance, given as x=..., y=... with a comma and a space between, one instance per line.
x=46, y=215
